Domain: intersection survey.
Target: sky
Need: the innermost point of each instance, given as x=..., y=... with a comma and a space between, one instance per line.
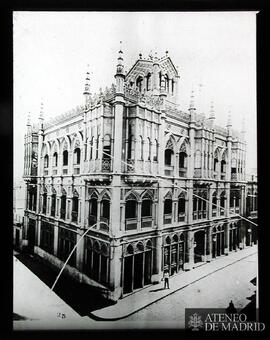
x=215, y=53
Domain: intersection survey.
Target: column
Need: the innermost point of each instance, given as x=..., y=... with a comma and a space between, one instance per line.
x=80, y=251
x=157, y=260
x=55, y=239
x=139, y=216
x=209, y=244
x=190, y=202
x=83, y=206
x=190, y=250
x=227, y=238
x=115, y=268
x=98, y=213
x=211, y=191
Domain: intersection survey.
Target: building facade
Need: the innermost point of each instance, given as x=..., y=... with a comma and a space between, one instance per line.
x=152, y=187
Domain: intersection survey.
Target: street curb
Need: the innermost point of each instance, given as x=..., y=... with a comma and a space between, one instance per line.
x=98, y=318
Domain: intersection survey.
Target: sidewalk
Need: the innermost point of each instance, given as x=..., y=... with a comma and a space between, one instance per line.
x=151, y=294
x=35, y=306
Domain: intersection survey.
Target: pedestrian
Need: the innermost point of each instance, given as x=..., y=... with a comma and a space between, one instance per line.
x=166, y=279
x=231, y=309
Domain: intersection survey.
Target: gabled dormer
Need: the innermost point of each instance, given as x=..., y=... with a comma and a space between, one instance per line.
x=154, y=75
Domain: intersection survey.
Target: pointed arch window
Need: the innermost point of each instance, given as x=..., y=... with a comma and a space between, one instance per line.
x=168, y=209
x=65, y=158
x=97, y=146
x=63, y=205
x=107, y=147
x=131, y=211
x=93, y=208
x=139, y=83
x=167, y=83
x=91, y=147
x=181, y=207
x=75, y=207
x=46, y=161
x=214, y=204
x=77, y=156
x=140, y=147
x=155, y=151
x=55, y=159
x=148, y=79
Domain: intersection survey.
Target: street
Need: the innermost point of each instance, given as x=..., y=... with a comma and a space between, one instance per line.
x=214, y=291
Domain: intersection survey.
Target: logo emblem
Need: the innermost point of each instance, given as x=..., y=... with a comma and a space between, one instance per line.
x=195, y=322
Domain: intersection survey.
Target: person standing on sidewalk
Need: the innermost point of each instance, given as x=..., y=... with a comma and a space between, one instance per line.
x=166, y=279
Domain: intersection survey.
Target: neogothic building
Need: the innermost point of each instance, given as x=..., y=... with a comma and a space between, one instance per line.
x=156, y=187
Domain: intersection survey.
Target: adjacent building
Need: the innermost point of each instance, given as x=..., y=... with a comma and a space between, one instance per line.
x=156, y=187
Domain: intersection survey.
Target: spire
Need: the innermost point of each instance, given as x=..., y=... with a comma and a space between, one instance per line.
x=212, y=115
x=229, y=124
x=87, y=84
x=192, y=105
x=192, y=108
x=120, y=64
x=229, y=119
x=120, y=73
x=28, y=124
x=243, y=129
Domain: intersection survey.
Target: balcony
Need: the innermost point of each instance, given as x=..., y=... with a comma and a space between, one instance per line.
x=181, y=217
x=130, y=165
x=197, y=173
x=168, y=170
x=199, y=215
x=182, y=172
x=146, y=222
x=233, y=177
x=131, y=224
x=167, y=218
x=76, y=169
x=106, y=165
x=104, y=224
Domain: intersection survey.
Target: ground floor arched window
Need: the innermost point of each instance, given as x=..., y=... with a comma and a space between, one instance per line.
x=137, y=266
x=174, y=253
x=218, y=241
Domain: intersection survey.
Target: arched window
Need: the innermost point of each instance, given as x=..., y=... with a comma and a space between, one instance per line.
x=168, y=157
x=222, y=203
x=223, y=166
x=97, y=145
x=91, y=147
x=65, y=157
x=55, y=159
x=53, y=204
x=139, y=82
x=214, y=204
x=215, y=164
x=155, y=151
x=181, y=204
x=182, y=160
x=131, y=207
x=148, y=78
x=44, y=207
x=63, y=206
x=173, y=82
x=147, y=206
x=93, y=209
x=131, y=147
x=107, y=147
x=167, y=83
x=46, y=161
x=160, y=79
x=167, y=206
x=77, y=156
x=197, y=159
x=147, y=149
x=75, y=208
